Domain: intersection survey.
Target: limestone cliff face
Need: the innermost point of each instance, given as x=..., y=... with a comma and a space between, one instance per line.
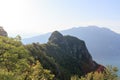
x=3, y=32
x=75, y=49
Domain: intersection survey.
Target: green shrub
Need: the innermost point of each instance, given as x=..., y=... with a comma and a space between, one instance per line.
x=110, y=73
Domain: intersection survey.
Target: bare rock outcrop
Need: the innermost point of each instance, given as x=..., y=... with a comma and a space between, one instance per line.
x=3, y=32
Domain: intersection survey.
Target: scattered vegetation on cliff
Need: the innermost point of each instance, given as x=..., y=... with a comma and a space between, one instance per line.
x=110, y=73
x=59, y=59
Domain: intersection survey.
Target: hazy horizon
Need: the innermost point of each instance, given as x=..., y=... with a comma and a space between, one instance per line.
x=31, y=17
x=29, y=35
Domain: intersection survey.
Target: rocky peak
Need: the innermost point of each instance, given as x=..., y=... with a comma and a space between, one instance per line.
x=72, y=46
x=70, y=55
x=3, y=32
x=56, y=37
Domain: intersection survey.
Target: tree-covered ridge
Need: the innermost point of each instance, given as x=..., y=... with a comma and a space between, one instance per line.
x=110, y=73
x=17, y=64
x=64, y=56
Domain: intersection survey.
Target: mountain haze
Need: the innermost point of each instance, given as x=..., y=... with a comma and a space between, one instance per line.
x=102, y=43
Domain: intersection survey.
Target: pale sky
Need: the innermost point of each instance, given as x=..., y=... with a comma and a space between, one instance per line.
x=28, y=17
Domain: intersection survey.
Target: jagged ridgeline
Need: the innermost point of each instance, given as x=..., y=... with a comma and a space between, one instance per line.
x=64, y=56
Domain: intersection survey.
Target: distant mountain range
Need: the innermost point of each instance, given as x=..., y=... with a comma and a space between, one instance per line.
x=102, y=43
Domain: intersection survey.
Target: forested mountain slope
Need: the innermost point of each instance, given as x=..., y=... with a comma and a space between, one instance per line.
x=102, y=43
x=64, y=56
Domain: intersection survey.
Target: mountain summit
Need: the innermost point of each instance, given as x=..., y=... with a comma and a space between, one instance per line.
x=56, y=37
x=64, y=56
x=74, y=47
x=102, y=43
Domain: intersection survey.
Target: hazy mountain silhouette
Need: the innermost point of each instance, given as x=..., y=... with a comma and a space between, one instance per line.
x=102, y=43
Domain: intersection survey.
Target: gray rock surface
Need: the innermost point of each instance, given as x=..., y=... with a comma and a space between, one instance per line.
x=3, y=32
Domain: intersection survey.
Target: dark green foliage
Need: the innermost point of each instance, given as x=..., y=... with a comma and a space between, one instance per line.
x=17, y=64
x=110, y=73
x=48, y=62
x=64, y=56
